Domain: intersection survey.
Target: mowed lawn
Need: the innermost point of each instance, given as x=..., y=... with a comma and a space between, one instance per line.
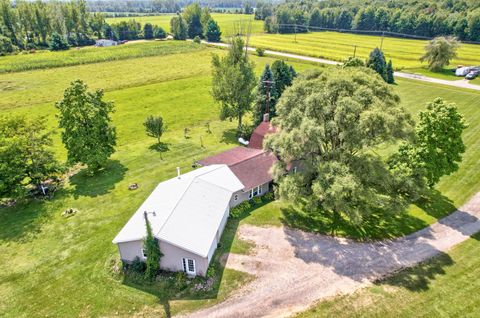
x=230, y=24
x=405, y=53
x=53, y=266
x=445, y=286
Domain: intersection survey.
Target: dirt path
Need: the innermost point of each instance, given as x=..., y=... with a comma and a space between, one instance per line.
x=463, y=83
x=295, y=269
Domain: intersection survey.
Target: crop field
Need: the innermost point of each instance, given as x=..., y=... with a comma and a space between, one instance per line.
x=230, y=24
x=62, y=267
x=405, y=53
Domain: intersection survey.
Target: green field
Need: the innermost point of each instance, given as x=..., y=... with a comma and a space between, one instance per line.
x=230, y=24
x=60, y=267
x=337, y=46
x=445, y=286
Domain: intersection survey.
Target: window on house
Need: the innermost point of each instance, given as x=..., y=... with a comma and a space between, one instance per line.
x=189, y=266
x=144, y=253
x=254, y=192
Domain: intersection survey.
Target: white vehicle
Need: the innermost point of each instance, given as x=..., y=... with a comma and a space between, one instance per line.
x=462, y=71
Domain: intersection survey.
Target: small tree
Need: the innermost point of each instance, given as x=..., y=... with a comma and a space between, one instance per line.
x=87, y=133
x=6, y=46
x=376, y=62
x=159, y=33
x=353, y=62
x=390, y=77
x=213, y=33
x=260, y=51
x=152, y=248
x=438, y=145
x=197, y=40
x=283, y=76
x=233, y=82
x=154, y=127
x=148, y=31
x=178, y=27
x=439, y=52
x=58, y=43
x=192, y=14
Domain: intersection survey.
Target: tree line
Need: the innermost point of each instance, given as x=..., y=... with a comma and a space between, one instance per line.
x=424, y=18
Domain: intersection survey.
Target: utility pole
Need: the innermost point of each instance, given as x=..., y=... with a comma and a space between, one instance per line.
x=295, y=28
x=268, y=84
x=354, y=50
x=381, y=43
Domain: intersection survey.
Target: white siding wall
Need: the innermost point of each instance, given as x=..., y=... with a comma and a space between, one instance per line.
x=243, y=196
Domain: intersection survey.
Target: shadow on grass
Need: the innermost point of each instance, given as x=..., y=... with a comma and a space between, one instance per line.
x=99, y=184
x=229, y=136
x=419, y=277
x=379, y=225
x=160, y=147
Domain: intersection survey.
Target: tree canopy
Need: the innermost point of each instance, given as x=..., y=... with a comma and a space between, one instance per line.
x=328, y=121
x=439, y=52
x=233, y=81
x=87, y=133
x=178, y=27
x=213, y=33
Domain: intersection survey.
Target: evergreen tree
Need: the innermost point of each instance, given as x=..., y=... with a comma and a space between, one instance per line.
x=261, y=99
x=212, y=32
x=58, y=43
x=283, y=75
x=193, y=17
x=376, y=62
x=390, y=78
x=159, y=32
x=148, y=31
x=152, y=248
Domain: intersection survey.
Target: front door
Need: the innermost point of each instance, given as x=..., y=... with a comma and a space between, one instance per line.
x=189, y=266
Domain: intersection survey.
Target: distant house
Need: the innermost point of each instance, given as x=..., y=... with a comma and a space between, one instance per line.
x=188, y=213
x=105, y=42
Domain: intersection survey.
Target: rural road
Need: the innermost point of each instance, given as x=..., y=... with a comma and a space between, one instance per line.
x=463, y=83
x=295, y=269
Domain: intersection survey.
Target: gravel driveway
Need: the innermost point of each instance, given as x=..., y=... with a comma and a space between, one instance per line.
x=295, y=269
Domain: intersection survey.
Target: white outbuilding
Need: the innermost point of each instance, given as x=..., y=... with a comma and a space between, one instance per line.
x=187, y=214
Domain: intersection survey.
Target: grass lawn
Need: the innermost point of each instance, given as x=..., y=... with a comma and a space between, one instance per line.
x=229, y=24
x=50, y=265
x=337, y=46
x=442, y=287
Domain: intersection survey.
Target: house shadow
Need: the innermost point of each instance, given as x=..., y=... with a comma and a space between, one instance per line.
x=99, y=184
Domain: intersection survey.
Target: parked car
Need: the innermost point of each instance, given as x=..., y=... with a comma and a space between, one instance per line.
x=462, y=71
x=472, y=75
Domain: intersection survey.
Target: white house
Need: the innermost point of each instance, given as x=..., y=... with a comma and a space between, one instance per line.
x=187, y=214
x=105, y=42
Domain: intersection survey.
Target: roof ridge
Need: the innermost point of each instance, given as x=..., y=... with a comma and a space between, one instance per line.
x=250, y=158
x=183, y=194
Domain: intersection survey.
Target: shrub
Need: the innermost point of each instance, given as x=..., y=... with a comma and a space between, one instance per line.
x=353, y=62
x=197, y=40
x=6, y=46
x=58, y=43
x=260, y=51
x=240, y=210
x=245, y=131
x=269, y=196
x=137, y=266
x=257, y=200
x=159, y=33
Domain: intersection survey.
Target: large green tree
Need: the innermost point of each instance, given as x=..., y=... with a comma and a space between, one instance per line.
x=26, y=156
x=439, y=52
x=193, y=17
x=233, y=81
x=87, y=133
x=178, y=28
x=283, y=75
x=438, y=146
x=328, y=122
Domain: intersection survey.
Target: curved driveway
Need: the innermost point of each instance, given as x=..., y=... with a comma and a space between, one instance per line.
x=295, y=269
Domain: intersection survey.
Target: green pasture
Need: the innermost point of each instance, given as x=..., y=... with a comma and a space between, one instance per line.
x=230, y=24
x=404, y=53
x=53, y=266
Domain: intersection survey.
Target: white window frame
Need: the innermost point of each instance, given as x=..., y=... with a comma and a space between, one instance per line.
x=255, y=192
x=186, y=262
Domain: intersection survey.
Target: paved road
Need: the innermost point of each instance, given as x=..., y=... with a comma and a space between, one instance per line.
x=295, y=269
x=460, y=83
